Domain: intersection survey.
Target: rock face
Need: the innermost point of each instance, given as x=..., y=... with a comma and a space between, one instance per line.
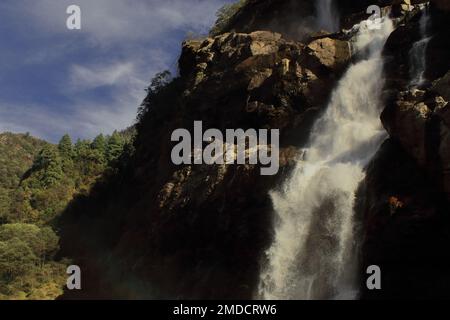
x=405, y=198
x=279, y=83
x=419, y=121
x=416, y=116
x=407, y=228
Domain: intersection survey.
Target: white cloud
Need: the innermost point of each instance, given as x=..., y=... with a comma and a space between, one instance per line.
x=87, y=120
x=128, y=41
x=110, y=21
x=85, y=78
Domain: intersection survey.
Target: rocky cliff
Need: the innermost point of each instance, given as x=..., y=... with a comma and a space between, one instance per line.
x=407, y=188
x=156, y=230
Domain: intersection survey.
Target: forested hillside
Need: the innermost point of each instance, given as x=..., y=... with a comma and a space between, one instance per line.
x=37, y=181
x=16, y=157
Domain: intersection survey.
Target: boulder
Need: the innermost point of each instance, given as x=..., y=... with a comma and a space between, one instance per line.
x=442, y=87
x=264, y=42
x=331, y=53
x=407, y=123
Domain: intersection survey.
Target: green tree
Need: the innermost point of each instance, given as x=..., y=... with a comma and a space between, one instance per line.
x=21, y=209
x=5, y=204
x=99, y=143
x=99, y=149
x=159, y=81
x=114, y=147
x=42, y=241
x=47, y=245
x=16, y=258
x=48, y=166
x=65, y=147
x=23, y=231
x=224, y=16
x=82, y=147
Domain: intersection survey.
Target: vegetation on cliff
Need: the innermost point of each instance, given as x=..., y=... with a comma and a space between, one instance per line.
x=224, y=16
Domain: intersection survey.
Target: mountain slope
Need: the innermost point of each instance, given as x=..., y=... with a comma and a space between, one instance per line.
x=17, y=153
x=37, y=181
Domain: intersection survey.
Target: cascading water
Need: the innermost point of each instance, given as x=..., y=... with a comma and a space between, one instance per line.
x=313, y=255
x=418, y=52
x=326, y=17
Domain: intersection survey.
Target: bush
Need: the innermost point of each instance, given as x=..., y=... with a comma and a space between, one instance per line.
x=16, y=258
x=224, y=16
x=160, y=84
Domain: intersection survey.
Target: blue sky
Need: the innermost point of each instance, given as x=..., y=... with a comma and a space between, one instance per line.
x=83, y=82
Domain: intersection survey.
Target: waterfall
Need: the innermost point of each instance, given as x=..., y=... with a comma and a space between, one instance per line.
x=417, y=54
x=313, y=255
x=327, y=18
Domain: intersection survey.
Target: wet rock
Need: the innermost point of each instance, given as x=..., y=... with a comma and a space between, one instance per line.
x=408, y=123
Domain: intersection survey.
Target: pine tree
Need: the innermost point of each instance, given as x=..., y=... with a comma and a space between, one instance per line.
x=99, y=143
x=224, y=16
x=81, y=148
x=49, y=165
x=99, y=146
x=114, y=147
x=65, y=147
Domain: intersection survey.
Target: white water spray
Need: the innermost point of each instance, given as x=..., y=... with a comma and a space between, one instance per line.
x=313, y=255
x=417, y=55
x=327, y=18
